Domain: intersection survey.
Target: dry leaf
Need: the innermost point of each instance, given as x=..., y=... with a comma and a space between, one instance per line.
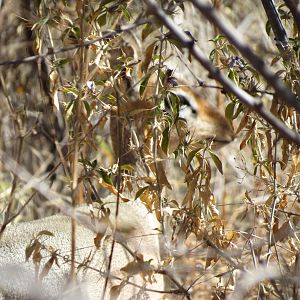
x=283, y=232
x=112, y=189
x=115, y=291
x=47, y=266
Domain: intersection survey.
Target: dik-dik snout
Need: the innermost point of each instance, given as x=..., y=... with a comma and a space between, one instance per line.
x=204, y=121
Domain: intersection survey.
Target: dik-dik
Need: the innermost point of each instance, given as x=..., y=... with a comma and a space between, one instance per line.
x=134, y=270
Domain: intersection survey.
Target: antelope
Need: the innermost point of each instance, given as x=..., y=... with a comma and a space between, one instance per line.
x=35, y=256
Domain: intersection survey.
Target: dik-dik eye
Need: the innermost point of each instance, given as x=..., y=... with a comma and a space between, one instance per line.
x=185, y=104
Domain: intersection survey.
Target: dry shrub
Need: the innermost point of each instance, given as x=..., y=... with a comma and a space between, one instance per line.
x=98, y=103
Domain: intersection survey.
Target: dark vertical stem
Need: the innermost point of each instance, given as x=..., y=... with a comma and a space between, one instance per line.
x=276, y=25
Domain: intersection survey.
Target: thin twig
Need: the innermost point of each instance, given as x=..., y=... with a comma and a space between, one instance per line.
x=118, y=185
x=77, y=132
x=21, y=136
x=155, y=134
x=275, y=200
x=223, y=254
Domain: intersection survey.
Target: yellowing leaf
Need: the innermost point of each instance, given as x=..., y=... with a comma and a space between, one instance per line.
x=232, y=235
x=112, y=189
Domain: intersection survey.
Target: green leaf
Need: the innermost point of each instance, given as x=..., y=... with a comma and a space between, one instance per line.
x=268, y=28
x=216, y=161
x=147, y=30
x=87, y=108
x=238, y=111
x=233, y=76
x=73, y=91
x=99, y=82
x=128, y=168
x=94, y=163
x=275, y=60
x=30, y=248
x=165, y=140
x=177, y=44
x=229, y=111
x=217, y=38
x=173, y=101
x=104, y=2
x=255, y=74
x=126, y=14
x=40, y=23
x=101, y=20
x=111, y=98
x=59, y=63
x=105, y=176
x=232, y=50
x=191, y=155
x=173, y=40
x=144, y=84
x=75, y=32
x=212, y=55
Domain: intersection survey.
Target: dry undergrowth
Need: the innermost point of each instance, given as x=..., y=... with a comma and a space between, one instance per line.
x=230, y=215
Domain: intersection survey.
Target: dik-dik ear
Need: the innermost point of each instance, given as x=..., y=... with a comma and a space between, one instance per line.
x=204, y=121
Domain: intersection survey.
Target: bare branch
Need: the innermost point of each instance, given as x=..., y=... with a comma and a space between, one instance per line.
x=234, y=38
x=215, y=73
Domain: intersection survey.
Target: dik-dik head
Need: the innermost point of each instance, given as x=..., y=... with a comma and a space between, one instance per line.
x=204, y=121
x=196, y=122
